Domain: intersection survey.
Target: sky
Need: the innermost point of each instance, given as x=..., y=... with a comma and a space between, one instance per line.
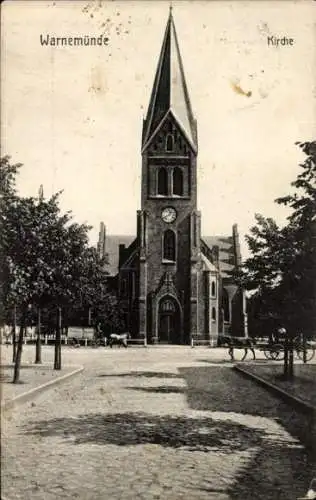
x=73, y=115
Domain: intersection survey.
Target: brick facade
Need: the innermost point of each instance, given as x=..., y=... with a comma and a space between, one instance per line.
x=170, y=282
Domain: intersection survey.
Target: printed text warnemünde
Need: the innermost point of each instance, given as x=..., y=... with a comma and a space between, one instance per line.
x=71, y=41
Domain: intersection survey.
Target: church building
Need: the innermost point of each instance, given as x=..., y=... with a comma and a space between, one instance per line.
x=174, y=286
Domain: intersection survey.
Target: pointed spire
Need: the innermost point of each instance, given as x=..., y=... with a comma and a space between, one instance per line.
x=41, y=193
x=170, y=93
x=101, y=246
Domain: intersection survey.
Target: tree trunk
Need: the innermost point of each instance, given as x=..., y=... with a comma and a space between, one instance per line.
x=14, y=336
x=304, y=347
x=56, y=351
x=286, y=358
x=38, y=353
x=291, y=358
x=57, y=360
x=13, y=345
x=17, y=366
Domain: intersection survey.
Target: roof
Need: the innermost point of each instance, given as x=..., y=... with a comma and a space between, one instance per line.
x=112, y=249
x=225, y=245
x=208, y=265
x=223, y=242
x=170, y=93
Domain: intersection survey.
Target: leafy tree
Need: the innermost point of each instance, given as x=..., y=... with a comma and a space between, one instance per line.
x=64, y=258
x=42, y=252
x=282, y=268
x=8, y=172
x=48, y=265
x=299, y=276
x=94, y=295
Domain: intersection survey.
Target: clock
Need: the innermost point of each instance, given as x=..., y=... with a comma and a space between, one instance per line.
x=169, y=215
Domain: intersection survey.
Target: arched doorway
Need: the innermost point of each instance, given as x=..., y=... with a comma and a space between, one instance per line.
x=169, y=321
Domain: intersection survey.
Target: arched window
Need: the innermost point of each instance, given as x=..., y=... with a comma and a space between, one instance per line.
x=177, y=181
x=213, y=289
x=169, y=143
x=162, y=181
x=213, y=314
x=169, y=245
x=167, y=306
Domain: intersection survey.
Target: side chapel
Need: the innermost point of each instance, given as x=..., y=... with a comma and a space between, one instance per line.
x=173, y=285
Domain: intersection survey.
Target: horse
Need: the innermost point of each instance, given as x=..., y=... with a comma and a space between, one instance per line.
x=119, y=339
x=237, y=343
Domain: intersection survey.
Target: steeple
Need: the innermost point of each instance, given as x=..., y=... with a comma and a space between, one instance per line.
x=101, y=246
x=170, y=93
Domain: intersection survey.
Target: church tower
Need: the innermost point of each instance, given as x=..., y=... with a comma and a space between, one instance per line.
x=174, y=286
x=168, y=228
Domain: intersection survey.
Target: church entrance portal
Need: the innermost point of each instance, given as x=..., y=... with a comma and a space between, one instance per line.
x=169, y=324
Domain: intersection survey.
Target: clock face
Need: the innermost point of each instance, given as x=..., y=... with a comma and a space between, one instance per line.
x=169, y=215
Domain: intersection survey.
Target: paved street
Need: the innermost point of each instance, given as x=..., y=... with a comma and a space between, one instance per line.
x=157, y=423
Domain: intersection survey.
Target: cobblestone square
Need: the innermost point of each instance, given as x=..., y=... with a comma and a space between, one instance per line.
x=157, y=423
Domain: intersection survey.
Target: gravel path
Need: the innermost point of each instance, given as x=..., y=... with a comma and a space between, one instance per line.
x=153, y=423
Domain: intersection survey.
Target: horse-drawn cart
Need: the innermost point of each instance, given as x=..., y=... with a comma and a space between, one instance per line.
x=233, y=342
x=304, y=350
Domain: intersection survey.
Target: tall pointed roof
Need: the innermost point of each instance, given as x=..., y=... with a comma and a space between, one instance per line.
x=170, y=93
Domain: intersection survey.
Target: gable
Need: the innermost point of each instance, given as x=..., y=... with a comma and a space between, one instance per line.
x=169, y=132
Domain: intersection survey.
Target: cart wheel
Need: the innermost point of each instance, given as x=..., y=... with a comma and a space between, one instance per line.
x=277, y=352
x=267, y=353
x=310, y=352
